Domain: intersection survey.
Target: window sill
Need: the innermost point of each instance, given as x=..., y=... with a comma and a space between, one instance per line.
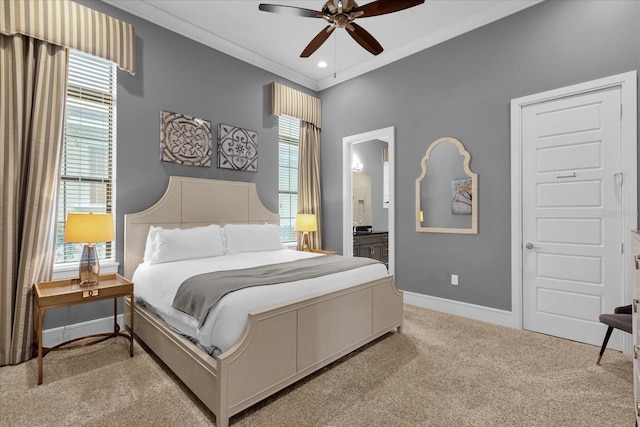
x=70, y=270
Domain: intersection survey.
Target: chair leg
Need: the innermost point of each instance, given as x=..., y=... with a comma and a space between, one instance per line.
x=604, y=344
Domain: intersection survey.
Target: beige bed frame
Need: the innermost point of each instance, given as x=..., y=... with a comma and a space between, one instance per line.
x=280, y=344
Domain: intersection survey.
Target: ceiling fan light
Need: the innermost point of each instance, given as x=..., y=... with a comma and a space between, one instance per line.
x=322, y=64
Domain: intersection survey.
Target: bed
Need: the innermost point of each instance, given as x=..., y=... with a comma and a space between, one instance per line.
x=281, y=343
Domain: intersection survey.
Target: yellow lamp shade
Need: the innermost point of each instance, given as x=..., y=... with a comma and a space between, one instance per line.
x=306, y=222
x=88, y=228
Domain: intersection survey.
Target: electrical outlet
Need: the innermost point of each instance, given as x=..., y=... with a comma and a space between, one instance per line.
x=454, y=279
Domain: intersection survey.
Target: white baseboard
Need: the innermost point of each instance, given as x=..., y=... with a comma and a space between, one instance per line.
x=484, y=314
x=472, y=311
x=55, y=336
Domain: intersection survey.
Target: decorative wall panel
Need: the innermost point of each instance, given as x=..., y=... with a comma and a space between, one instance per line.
x=237, y=148
x=185, y=140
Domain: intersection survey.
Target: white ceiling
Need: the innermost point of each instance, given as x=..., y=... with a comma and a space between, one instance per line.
x=274, y=41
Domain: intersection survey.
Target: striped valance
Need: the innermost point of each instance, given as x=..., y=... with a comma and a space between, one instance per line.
x=286, y=101
x=66, y=23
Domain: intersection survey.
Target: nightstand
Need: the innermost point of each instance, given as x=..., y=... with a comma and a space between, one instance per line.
x=320, y=251
x=62, y=293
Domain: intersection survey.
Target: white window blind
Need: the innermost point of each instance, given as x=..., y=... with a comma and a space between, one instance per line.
x=88, y=159
x=288, y=144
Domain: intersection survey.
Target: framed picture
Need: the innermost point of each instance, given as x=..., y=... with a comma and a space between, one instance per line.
x=461, y=197
x=237, y=148
x=184, y=139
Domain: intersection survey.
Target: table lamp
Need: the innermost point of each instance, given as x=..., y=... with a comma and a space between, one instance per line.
x=89, y=228
x=306, y=223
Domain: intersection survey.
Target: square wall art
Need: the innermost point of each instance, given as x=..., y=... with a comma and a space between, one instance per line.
x=237, y=148
x=185, y=140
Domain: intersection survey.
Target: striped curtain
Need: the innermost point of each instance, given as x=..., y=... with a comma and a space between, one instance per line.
x=32, y=100
x=309, y=195
x=69, y=24
x=286, y=101
x=34, y=37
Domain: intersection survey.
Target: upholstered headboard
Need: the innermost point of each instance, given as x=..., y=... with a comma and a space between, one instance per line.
x=191, y=202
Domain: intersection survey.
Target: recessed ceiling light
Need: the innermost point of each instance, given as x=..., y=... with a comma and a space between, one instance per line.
x=322, y=64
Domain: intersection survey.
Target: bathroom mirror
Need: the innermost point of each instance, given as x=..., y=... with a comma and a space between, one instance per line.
x=362, y=195
x=446, y=190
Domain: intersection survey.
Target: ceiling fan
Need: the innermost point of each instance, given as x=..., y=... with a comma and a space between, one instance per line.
x=342, y=14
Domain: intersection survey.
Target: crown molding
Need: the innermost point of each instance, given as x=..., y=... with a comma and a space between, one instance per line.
x=148, y=11
x=489, y=15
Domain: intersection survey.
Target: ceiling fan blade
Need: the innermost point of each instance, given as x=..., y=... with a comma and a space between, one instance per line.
x=290, y=10
x=382, y=7
x=363, y=38
x=317, y=41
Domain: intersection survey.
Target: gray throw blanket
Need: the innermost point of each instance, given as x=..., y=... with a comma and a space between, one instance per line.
x=198, y=294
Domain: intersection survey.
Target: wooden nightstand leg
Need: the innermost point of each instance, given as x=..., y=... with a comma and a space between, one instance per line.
x=132, y=304
x=115, y=315
x=39, y=316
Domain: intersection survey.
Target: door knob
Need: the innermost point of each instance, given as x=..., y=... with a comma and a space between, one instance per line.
x=529, y=246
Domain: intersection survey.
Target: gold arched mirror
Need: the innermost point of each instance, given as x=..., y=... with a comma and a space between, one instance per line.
x=447, y=190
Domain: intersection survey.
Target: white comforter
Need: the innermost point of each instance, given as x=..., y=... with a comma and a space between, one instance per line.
x=157, y=285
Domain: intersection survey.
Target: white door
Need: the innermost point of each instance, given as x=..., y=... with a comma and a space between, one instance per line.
x=572, y=214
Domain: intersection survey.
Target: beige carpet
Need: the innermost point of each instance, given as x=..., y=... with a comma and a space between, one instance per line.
x=442, y=370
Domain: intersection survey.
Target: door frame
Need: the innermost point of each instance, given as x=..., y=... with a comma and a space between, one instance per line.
x=387, y=135
x=628, y=89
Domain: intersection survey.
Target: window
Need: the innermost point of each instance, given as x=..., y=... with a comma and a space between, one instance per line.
x=88, y=157
x=288, y=143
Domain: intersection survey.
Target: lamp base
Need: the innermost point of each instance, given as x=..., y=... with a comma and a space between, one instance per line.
x=89, y=267
x=305, y=242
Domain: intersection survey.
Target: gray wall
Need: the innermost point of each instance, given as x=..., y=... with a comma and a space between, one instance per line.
x=176, y=74
x=462, y=88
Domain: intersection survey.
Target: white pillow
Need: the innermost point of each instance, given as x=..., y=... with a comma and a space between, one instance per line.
x=252, y=237
x=189, y=243
x=150, y=247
